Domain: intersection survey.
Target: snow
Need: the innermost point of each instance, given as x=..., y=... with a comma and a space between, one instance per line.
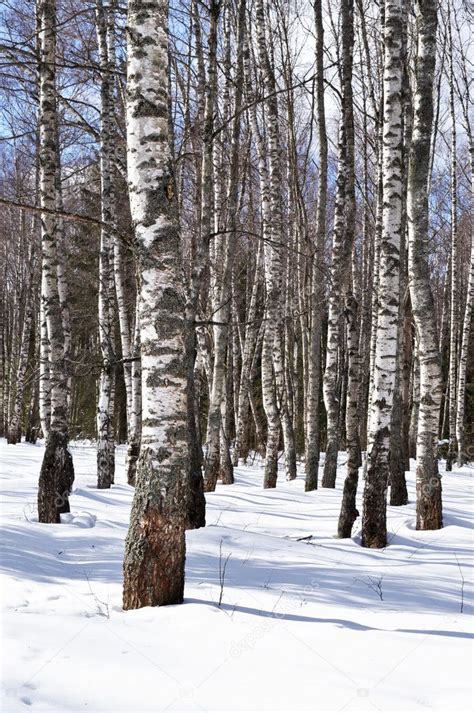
x=307, y=622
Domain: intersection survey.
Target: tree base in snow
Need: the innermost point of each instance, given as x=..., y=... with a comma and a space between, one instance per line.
x=154, y=561
x=196, y=516
x=211, y=474
x=105, y=464
x=56, y=479
x=133, y=451
x=271, y=470
x=226, y=470
x=429, y=510
x=398, y=483
x=311, y=470
x=330, y=466
x=349, y=512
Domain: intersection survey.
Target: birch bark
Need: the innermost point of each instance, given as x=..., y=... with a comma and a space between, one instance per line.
x=14, y=426
x=155, y=544
x=208, y=178
x=454, y=302
x=57, y=472
x=462, y=456
x=105, y=424
x=399, y=456
x=221, y=281
x=273, y=368
x=374, y=531
x=135, y=421
x=17, y=385
x=428, y=482
x=314, y=358
x=44, y=380
x=343, y=237
x=250, y=342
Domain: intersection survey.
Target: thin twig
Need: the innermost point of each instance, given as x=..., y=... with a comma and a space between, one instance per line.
x=462, y=583
x=222, y=568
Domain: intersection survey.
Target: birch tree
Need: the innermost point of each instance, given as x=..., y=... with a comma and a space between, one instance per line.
x=454, y=282
x=57, y=472
x=211, y=463
x=399, y=440
x=155, y=544
x=221, y=266
x=463, y=87
x=135, y=414
x=18, y=390
x=314, y=357
x=105, y=405
x=374, y=530
x=428, y=482
x=462, y=456
x=44, y=377
x=273, y=384
x=343, y=236
x=249, y=350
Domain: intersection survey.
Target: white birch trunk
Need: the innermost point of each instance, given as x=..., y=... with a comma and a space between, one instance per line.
x=44, y=380
x=155, y=544
x=273, y=367
x=462, y=455
x=374, y=530
x=221, y=265
x=135, y=422
x=14, y=426
x=57, y=471
x=314, y=357
x=343, y=237
x=428, y=482
x=454, y=302
x=105, y=411
x=250, y=342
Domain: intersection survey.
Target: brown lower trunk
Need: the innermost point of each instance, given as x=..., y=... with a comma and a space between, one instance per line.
x=398, y=486
x=196, y=501
x=349, y=512
x=374, y=524
x=56, y=479
x=330, y=464
x=133, y=451
x=429, y=511
x=153, y=567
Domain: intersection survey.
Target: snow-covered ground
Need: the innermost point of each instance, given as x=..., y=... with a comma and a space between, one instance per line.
x=307, y=622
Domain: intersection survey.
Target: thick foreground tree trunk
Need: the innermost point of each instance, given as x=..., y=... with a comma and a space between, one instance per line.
x=155, y=544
